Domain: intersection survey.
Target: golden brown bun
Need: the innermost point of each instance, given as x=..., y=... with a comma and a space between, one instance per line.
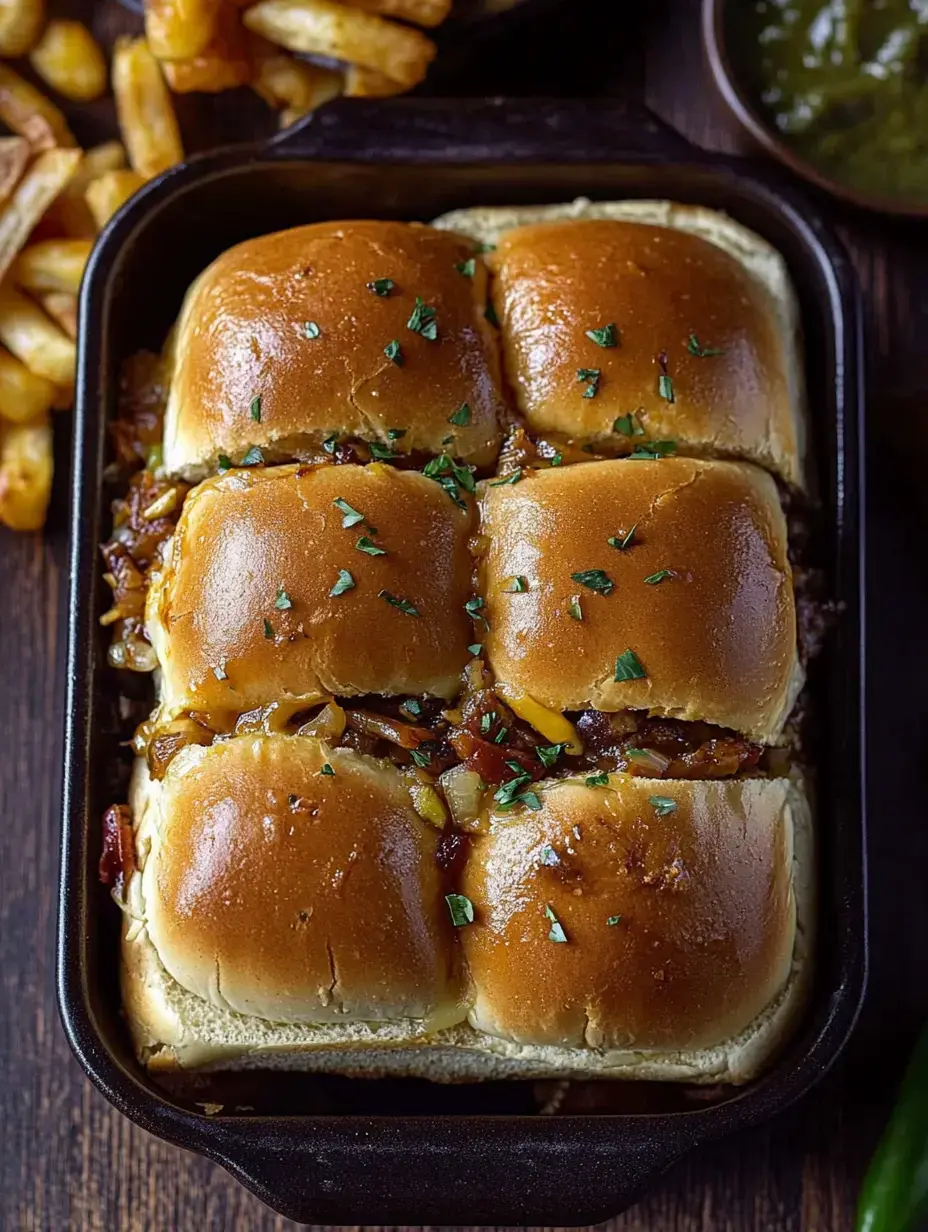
x=242, y=335
x=246, y=536
x=661, y=272
x=679, y=928
x=717, y=638
x=275, y=889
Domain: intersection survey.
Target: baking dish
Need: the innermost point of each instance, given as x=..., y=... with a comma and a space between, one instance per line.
x=330, y=1150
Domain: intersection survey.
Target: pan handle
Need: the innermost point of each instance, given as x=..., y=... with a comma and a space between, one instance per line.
x=418, y=130
x=537, y=1171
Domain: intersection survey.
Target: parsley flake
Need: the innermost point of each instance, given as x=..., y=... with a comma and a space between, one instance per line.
x=652, y=451
x=473, y=608
x=468, y=268
x=283, y=601
x=595, y=579
x=574, y=610
x=396, y=434
x=556, y=932
x=383, y=453
x=328, y=771
x=695, y=347
x=548, y=856
x=311, y=329
x=461, y=909
x=475, y=648
x=591, y=376
x=422, y=321
x=515, y=477
x=659, y=576
x=597, y=780
x=223, y=463
x=665, y=387
x=613, y=920
x=381, y=286
x=268, y=629
x=256, y=408
x=330, y=442
x=623, y=541
x=662, y=805
x=461, y=416
x=548, y=754
x=394, y=351
x=254, y=457
x=519, y=586
x=402, y=604
x=412, y=706
x=487, y=720
x=629, y=425
x=345, y=582
x=605, y=337
x=366, y=544
x=628, y=667
x=352, y=517
x=421, y=759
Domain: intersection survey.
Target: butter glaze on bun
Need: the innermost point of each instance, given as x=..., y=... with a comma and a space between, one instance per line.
x=252, y=540
x=290, y=319
x=672, y=279
x=274, y=889
x=715, y=635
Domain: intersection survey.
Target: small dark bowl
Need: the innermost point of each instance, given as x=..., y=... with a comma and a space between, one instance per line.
x=727, y=74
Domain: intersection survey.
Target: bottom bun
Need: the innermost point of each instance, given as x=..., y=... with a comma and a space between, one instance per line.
x=173, y=1029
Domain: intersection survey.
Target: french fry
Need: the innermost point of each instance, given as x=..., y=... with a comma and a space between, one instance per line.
x=284, y=82
x=69, y=59
x=108, y=192
x=33, y=338
x=322, y=27
x=180, y=29
x=61, y=306
x=369, y=83
x=23, y=395
x=224, y=63
x=28, y=112
x=70, y=214
x=52, y=265
x=422, y=12
x=21, y=24
x=144, y=108
x=32, y=196
x=14, y=154
x=26, y=464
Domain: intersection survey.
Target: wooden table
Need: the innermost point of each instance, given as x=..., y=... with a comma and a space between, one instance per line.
x=69, y=1161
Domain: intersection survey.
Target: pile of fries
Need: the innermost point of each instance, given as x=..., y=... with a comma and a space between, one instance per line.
x=55, y=197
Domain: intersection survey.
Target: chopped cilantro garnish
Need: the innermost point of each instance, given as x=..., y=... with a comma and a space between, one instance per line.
x=519, y=586
x=665, y=387
x=366, y=544
x=695, y=347
x=383, y=453
x=548, y=856
x=381, y=286
x=628, y=667
x=352, y=517
x=575, y=611
x=605, y=337
x=659, y=576
x=223, y=463
x=268, y=629
x=256, y=408
x=515, y=477
x=662, y=805
x=629, y=425
x=556, y=932
x=595, y=579
x=311, y=329
x=624, y=540
x=475, y=648
x=652, y=450
x=403, y=604
x=487, y=720
x=597, y=780
x=283, y=600
x=254, y=457
x=327, y=770
x=394, y=351
x=461, y=909
x=468, y=268
x=613, y=920
x=396, y=434
x=412, y=706
x=422, y=321
x=548, y=754
x=345, y=582
x=461, y=416
x=330, y=442
x=421, y=759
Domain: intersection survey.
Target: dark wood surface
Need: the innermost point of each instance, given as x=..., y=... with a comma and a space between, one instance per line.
x=69, y=1161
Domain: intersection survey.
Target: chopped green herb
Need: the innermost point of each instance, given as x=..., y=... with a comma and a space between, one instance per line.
x=220, y=672
x=507, y=794
x=366, y=544
x=403, y=604
x=422, y=321
x=475, y=648
x=515, y=477
x=695, y=347
x=557, y=931
x=283, y=600
x=420, y=758
x=662, y=805
x=557, y=459
x=595, y=579
x=489, y=314
x=468, y=268
x=548, y=856
x=352, y=517
x=345, y=582
x=268, y=629
x=461, y=909
x=487, y=720
x=328, y=771
x=311, y=329
x=590, y=375
x=396, y=434
x=659, y=576
x=548, y=754
x=412, y=706
x=519, y=586
x=254, y=457
x=330, y=442
x=605, y=337
x=482, y=247
x=629, y=425
x=652, y=450
x=628, y=667
x=461, y=416
x=517, y=768
x=381, y=286
x=665, y=387
x=224, y=463
x=597, y=780
x=256, y=408
x=623, y=540
x=530, y=800
x=613, y=920
x=500, y=737
x=383, y=453
x=574, y=610
x=473, y=608
x=394, y=351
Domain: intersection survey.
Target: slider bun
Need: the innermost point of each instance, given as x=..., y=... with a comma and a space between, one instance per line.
x=244, y=536
x=241, y=335
x=707, y=904
x=717, y=639
x=275, y=890
x=661, y=272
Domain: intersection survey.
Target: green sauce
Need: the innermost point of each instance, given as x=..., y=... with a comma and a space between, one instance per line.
x=846, y=84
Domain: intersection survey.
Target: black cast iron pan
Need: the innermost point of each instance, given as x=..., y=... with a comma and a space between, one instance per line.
x=333, y=1150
